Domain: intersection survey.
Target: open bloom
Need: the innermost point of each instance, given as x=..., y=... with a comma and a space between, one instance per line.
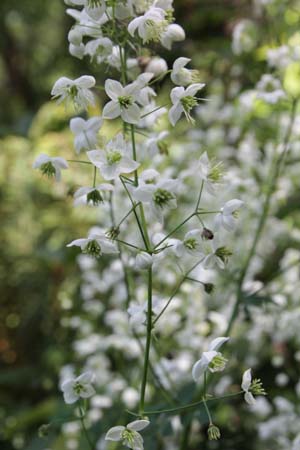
x=95, y=244
x=99, y=49
x=76, y=388
x=215, y=255
x=211, y=360
x=77, y=90
x=251, y=387
x=191, y=244
x=85, y=132
x=173, y=33
x=269, y=89
x=184, y=100
x=209, y=172
x=114, y=160
x=150, y=26
x=181, y=75
x=91, y=195
x=123, y=101
x=50, y=166
x=157, y=144
x=129, y=435
x=227, y=216
x=160, y=196
x=94, y=8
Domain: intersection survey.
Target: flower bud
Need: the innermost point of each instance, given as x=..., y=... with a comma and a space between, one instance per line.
x=75, y=36
x=113, y=233
x=44, y=430
x=143, y=261
x=213, y=432
x=207, y=234
x=77, y=50
x=209, y=287
x=157, y=66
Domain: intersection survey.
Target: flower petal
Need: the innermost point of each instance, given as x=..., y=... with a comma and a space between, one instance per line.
x=115, y=433
x=138, y=425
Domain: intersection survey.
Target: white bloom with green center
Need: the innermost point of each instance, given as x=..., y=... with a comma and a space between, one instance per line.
x=216, y=255
x=99, y=49
x=128, y=435
x=211, y=360
x=76, y=388
x=228, y=215
x=184, y=100
x=138, y=311
x=123, y=101
x=182, y=76
x=161, y=196
x=85, y=132
x=156, y=144
x=94, y=8
x=251, y=387
x=50, y=166
x=96, y=244
x=269, y=89
x=150, y=26
x=114, y=160
x=191, y=244
x=78, y=91
x=173, y=33
x=209, y=172
x=92, y=195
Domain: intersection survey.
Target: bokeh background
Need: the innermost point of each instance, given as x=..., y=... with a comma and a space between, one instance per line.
x=38, y=276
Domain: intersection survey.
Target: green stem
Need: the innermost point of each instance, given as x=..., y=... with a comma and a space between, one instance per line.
x=207, y=410
x=199, y=197
x=78, y=161
x=95, y=176
x=148, y=344
x=130, y=245
x=128, y=214
x=136, y=179
x=85, y=431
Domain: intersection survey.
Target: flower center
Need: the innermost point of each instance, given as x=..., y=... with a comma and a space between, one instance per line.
x=188, y=103
x=154, y=30
x=73, y=91
x=78, y=388
x=113, y=157
x=125, y=101
x=93, y=249
x=94, y=197
x=128, y=437
x=48, y=169
x=94, y=3
x=191, y=243
x=256, y=387
x=223, y=253
x=218, y=363
x=216, y=173
x=161, y=197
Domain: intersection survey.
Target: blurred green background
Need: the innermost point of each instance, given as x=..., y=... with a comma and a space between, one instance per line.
x=38, y=277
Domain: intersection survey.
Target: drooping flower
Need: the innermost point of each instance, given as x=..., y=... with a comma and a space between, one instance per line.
x=227, y=216
x=211, y=360
x=114, y=159
x=129, y=435
x=251, y=387
x=99, y=49
x=95, y=244
x=85, y=132
x=160, y=196
x=182, y=76
x=149, y=26
x=76, y=388
x=78, y=90
x=209, y=172
x=191, y=244
x=215, y=254
x=184, y=100
x=123, y=101
x=94, y=8
x=91, y=195
x=173, y=33
x=50, y=166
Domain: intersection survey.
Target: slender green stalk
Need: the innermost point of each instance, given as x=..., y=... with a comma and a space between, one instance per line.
x=84, y=429
x=148, y=343
x=128, y=244
x=95, y=176
x=127, y=214
x=79, y=161
x=207, y=410
x=199, y=196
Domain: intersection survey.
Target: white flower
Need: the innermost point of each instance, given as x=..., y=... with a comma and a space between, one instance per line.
x=184, y=101
x=251, y=387
x=150, y=26
x=227, y=216
x=209, y=172
x=77, y=388
x=76, y=90
x=156, y=144
x=85, y=132
x=173, y=33
x=244, y=37
x=215, y=254
x=150, y=115
x=77, y=50
x=50, y=166
x=211, y=360
x=99, y=49
x=94, y=8
x=157, y=66
x=143, y=261
x=246, y=383
x=160, y=196
x=95, y=244
x=182, y=76
x=269, y=89
x=123, y=101
x=138, y=311
x=91, y=195
x=129, y=435
x=191, y=244
x=114, y=160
